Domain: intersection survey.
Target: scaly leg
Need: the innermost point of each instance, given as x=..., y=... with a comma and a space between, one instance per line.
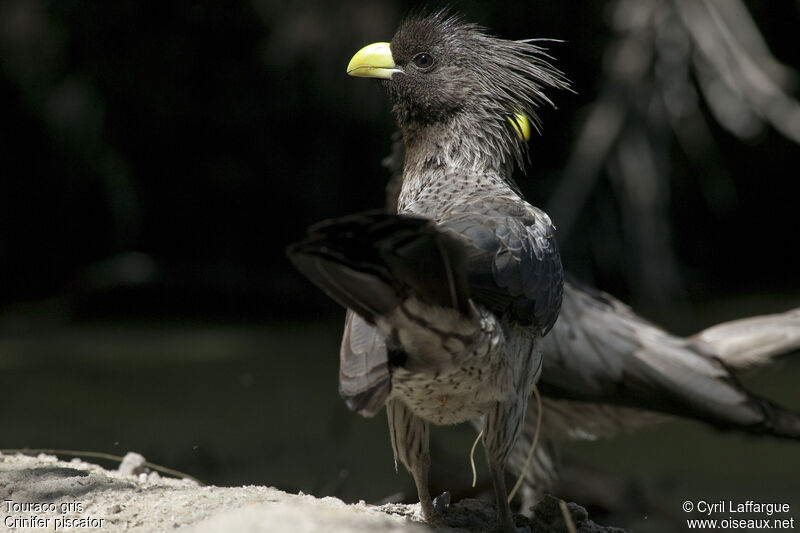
x=501, y=428
x=410, y=442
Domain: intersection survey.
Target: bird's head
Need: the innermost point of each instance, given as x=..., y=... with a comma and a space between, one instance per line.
x=448, y=78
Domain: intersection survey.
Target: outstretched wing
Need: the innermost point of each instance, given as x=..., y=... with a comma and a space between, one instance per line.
x=370, y=262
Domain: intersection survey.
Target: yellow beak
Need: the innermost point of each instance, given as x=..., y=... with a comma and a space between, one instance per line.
x=373, y=61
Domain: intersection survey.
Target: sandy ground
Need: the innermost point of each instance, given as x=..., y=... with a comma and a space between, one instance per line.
x=44, y=494
x=104, y=500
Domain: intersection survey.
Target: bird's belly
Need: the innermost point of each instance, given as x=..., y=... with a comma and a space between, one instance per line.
x=455, y=391
x=447, y=398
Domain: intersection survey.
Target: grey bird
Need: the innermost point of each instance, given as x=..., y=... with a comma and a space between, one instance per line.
x=608, y=370
x=450, y=298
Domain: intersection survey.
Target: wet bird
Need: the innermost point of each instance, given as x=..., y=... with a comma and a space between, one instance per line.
x=449, y=299
x=607, y=370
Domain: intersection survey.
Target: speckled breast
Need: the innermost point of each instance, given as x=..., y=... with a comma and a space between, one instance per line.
x=450, y=397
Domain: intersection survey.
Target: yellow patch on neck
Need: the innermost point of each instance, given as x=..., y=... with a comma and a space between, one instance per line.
x=521, y=125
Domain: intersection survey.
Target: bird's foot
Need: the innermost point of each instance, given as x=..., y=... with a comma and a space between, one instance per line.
x=433, y=511
x=432, y=516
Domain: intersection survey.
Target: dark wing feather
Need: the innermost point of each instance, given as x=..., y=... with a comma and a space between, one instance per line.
x=370, y=261
x=513, y=265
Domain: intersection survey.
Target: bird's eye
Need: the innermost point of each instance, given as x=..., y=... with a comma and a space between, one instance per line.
x=423, y=60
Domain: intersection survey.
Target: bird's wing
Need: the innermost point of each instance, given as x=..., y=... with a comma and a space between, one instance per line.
x=364, y=380
x=370, y=262
x=513, y=264
x=600, y=351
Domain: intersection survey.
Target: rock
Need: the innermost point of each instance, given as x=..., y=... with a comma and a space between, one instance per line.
x=132, y=464
x=548, y=517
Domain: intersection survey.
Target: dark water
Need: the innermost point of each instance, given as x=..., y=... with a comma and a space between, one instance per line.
x=258, y=404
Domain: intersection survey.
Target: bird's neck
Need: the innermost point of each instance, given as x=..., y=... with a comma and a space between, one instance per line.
x=458, y=144
x=446, y=159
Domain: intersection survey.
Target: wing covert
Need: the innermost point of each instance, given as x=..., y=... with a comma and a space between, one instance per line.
x=513, y=264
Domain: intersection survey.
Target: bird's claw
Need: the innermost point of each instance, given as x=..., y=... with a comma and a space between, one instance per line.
x=432, y=511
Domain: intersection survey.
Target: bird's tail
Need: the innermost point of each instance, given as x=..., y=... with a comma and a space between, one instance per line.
x=779, y=422
x=752, y=342
x=601, y=352
x=371, y=262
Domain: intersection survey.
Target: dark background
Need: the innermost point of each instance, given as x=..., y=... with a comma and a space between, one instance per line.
x=156, y=159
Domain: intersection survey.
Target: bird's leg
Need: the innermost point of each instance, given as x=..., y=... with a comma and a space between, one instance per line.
x=501, y=428
x=410, y=443
x=505, y=523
